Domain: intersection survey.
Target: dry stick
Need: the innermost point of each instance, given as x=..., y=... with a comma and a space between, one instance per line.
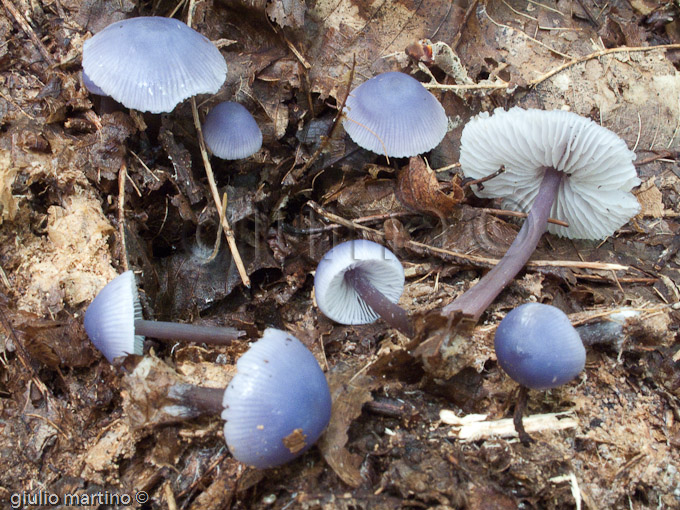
x=552, y=72
x=474, y=259
x=218, y=237
x=228, y=232
x=334, y=126
x=517, y=214
x=122, y=177
x=28, y=31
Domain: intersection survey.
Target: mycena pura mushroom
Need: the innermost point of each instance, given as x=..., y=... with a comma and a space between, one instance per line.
x=538, y=347
x=393, y=114
x=557, y=164
x=114, y=322
x=151, y=64
x=275, y=407
x=358, y=281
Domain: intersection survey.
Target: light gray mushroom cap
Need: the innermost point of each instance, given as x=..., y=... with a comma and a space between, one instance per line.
x=151, y=64
x=595, y=197
x=394, y=114
x=337, y=299
x=110, y=318
x=230, y=131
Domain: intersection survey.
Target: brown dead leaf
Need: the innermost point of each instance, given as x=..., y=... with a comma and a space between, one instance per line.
x=287, y=13
x=651, y=201
x=365, y=197
x=350, y=389
x=418, y=189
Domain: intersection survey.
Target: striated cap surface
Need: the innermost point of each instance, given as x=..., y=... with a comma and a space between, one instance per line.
x=393, y=114
x=151, y=64
x=230, y=131
x=594, y=198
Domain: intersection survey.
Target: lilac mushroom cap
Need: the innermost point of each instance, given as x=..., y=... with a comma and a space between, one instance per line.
x=153, y=63
x=230, y=131
x=595, y=199
x=110, y=318
x=91, y=87
x=394, y=114
x=337, y=298
x=278, y=403
x=538, y=347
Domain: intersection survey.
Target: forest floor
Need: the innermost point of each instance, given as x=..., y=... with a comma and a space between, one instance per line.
x=85, y=194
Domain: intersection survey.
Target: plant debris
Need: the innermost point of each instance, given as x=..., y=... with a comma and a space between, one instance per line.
x=88, y=188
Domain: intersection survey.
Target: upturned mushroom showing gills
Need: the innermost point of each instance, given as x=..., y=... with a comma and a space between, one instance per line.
x=358, y=281
x=114, y=323
x=393, y=114
x=230, y=131
x=556, y=164
x=538, y=347
x=151, y=64
x=278, y=403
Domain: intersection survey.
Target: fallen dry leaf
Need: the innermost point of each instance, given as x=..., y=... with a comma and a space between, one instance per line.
x=418, y=189
x=350, y=389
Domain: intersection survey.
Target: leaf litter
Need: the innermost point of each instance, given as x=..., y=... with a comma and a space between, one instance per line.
x=73, y=424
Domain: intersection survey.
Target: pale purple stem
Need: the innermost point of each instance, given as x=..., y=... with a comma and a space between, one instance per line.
x=198, y=398
x=477, y=299
x=186, y=332
x=391, y=313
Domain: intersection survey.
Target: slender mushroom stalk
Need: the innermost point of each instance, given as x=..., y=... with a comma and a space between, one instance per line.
x=161, y=330
x=358, y=281
x=114, y=323
x=557, y=164
x=390, y=312
x=473, y=302
x=197, y=400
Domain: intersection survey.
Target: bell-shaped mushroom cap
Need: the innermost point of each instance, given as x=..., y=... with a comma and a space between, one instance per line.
x=394, y=114
x=594, y=198
x=337, y=299
x=230, y=131
x=538, y=347
x=152, y=63
x=278, y=403
x=110, y=318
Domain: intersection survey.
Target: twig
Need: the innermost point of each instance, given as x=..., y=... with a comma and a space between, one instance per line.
x=324, y=143
x=228, y=232
x=474, y=259
x=599, y=54
x=218, y=237
x=553, y=50
x=204, y=475
x=480, y=182
x=333, y=226
x=122, y=177
x=518, y=214
x=50, y=422
x=28, y=31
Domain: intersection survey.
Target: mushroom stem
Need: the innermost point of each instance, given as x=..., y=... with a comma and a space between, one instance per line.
x=390, y=312
x=187, y=332
x=198, y=398
x=477, y=299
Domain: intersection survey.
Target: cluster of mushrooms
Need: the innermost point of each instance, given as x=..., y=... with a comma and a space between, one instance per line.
x=556, y=165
